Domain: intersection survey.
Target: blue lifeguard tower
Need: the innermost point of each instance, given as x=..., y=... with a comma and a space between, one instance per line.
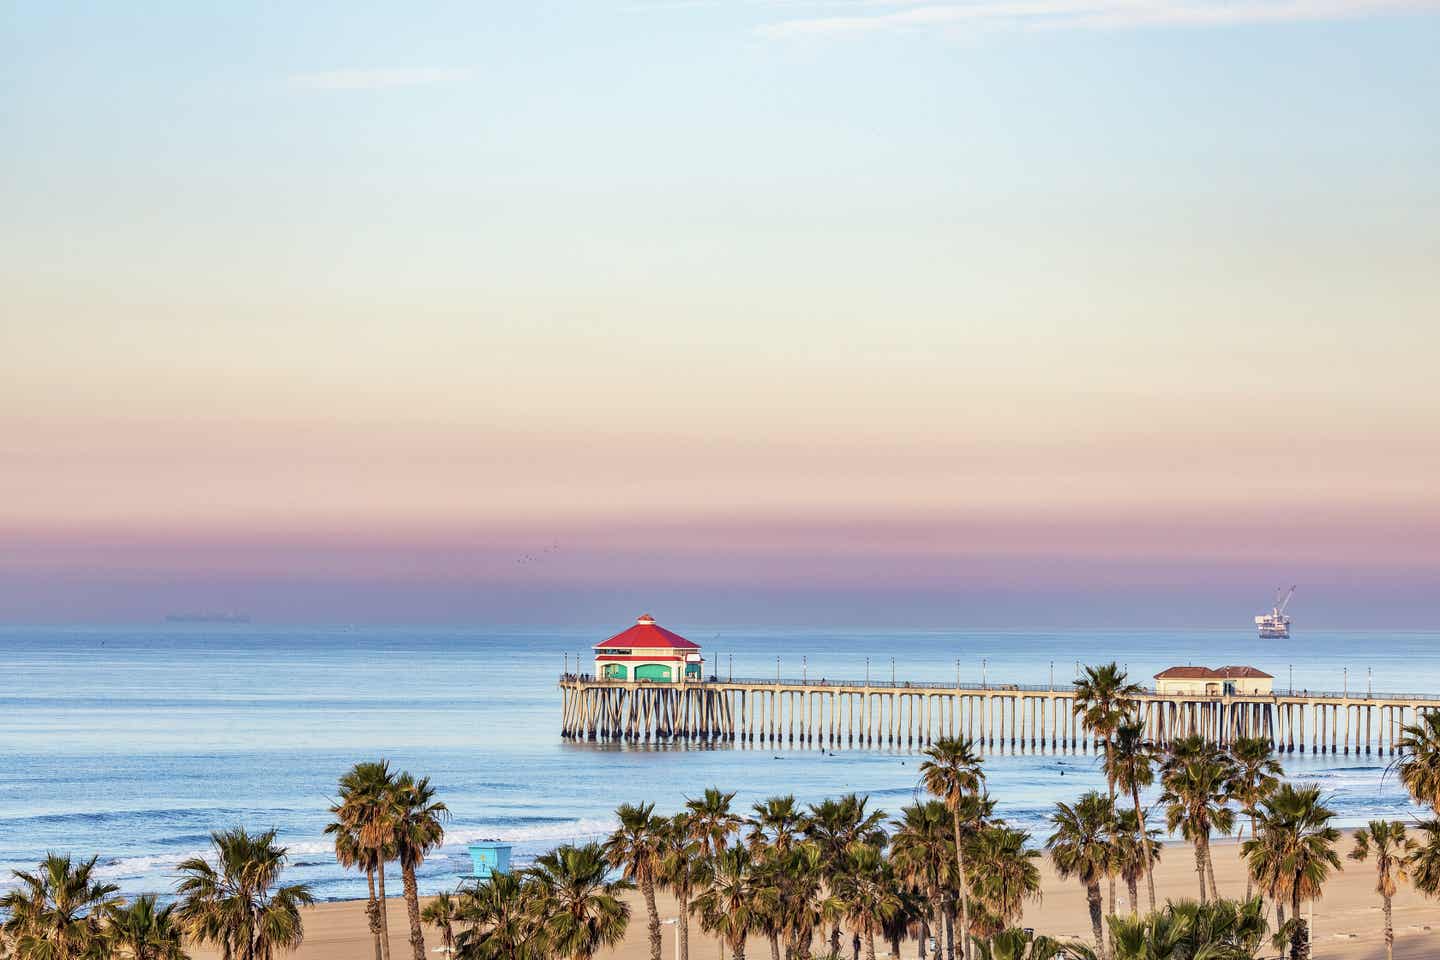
x=487, y=858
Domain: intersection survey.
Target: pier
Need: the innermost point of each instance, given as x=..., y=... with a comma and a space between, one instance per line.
x=998, y=717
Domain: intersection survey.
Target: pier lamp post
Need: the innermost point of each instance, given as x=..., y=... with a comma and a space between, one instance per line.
x=984, y=673
x=1345, y=676
x=957, y=673
x=804, y=670
x=674, y=922
x=1052, y=675
x=892, y=671
x=777, y=669
x=1368, y=687
x=867, y=671
x=732, y=671
x=1292, y=679
x=567, y=661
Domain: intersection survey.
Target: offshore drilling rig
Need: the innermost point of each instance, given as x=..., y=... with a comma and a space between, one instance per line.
x=1275, y=625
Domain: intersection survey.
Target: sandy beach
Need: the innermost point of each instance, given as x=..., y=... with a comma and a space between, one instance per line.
x=1347, y=921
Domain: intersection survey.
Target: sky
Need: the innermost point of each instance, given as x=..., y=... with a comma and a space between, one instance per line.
x=866, y=312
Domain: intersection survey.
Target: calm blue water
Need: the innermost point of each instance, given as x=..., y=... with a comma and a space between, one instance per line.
x=134, y=743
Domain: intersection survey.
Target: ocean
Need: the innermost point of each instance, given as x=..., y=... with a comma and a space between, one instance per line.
x=133, y=743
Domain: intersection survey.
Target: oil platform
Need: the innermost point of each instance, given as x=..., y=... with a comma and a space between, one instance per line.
x=1275, y=625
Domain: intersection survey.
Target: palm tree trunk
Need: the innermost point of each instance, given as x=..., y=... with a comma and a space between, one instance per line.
x=1210, y=871
x=1114, y=838
x=835, y=939
x=949, y=932
x=737, y=950
x=924, y=938
x=1200, y=867
x=964, y=890
x=1132, y=884
x=774, y=946
x=1389, y=933
x=412, y=909
x=652, y=913
x=1145, y=848
x=683, y=921
x=384, y=915
x=1247, y=872
x=372, y=912
x=1092, y=895
x=869, y=946
x=1300, y=939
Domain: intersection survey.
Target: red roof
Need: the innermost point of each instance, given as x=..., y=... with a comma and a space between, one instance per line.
x=1205, y=673
x=646, y=633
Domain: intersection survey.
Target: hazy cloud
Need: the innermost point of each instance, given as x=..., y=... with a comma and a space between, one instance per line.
x=377, y=79
x=1083, y=14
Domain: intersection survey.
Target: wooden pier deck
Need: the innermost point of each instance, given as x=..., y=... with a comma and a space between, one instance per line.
x=1006, y=717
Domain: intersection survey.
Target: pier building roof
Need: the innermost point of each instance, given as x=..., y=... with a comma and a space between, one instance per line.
x=1208, y=673
x=647, y=633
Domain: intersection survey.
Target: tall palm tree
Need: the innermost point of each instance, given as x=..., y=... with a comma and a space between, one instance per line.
x=1255, y=776
x=238, y=903
x=580, y=908
x=1129, y=763
x=1294, y=849
x=778, y=822
x=733, y=899
x=1003, y=874
x=364, y=831
x=711, y=820
x=951, y=771
x=441, y=914
x=923, y=851
x=502, y=922
x=419, y=823
x=1188, y=930
x=868, y=892
x=1081, y=848
x=803, y=904
x=834, y=826
x=1387, y=842
x=55, y=912
x=1104, y=699
x=141, y=931
x=1136, y=854
x=682, y=870
x=1194, y=775
x=635, y=849
x=1419, y=760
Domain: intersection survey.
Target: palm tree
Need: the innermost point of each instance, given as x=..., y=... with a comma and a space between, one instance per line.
x=364, y=831
x=238, y=903
x=1129, y=764
x=1255, y=776
x=682, y=870
x=1015, y=944
x=55, y=911
x=951, y=771
x=441, y=913
x=834, y=826
x=1104, y=699
x=803, y=905
x=868, y=892
x=1423, y=863
x=580, y=908
x=1293, y=852
x=1003, y=874
x=711, y=820
x=502, y=922
x=140, y=931
x=777, y=822
x=733, y=900
x=1419, y=760
x=1081, y=848
x=923, y=851
x=1392, y=849
x=419, y=828
x=1188, y=930
x=635, y=848
x=1194, y=775
x=1136, y=854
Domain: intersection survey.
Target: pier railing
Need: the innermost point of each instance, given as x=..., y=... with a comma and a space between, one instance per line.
x=1058, y=688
